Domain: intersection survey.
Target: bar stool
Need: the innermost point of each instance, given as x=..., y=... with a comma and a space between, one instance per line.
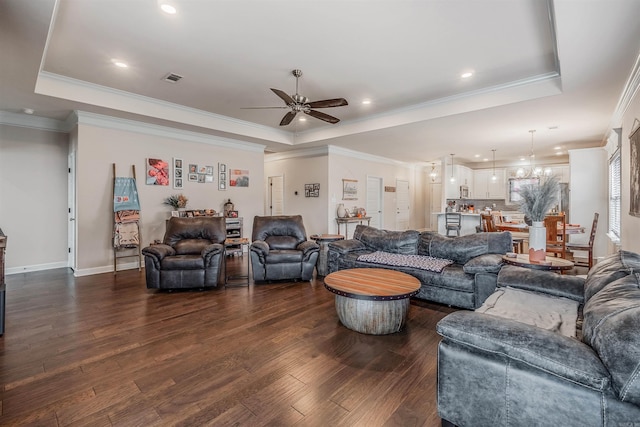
x=453, y=222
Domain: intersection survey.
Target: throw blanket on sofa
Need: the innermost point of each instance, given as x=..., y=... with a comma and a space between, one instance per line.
x=555, y=314
x=422, y=262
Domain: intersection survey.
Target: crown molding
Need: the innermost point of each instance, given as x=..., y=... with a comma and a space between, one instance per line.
x=32, y=122
x=99, y=120
x=364, y=156
x=52, y=84
x=297, y=154
x=626, y=97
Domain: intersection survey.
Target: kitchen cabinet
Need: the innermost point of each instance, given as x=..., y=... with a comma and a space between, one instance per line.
x=562, y=172
x=463, y=176
x=484, y=187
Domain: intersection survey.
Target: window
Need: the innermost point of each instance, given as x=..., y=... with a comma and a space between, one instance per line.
x=614, y=194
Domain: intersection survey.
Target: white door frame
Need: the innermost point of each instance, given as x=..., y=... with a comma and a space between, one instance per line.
x=71, y=215
x=269, y=207
x=403, y=212
x=378, y=181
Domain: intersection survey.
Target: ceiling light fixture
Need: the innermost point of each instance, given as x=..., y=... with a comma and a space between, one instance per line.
x=366, y=101
x=494, y=178
x=28, y=110
x=120, y=64
x=302, y=119
x=466, y=75
x=168, y=8
x=433, y=173
x=533, y=171
x=453, y=178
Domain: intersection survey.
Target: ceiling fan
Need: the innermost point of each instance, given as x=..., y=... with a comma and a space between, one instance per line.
x=301, y=104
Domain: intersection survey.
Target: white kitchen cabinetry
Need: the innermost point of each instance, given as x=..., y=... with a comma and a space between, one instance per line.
x=484, y=187
x=562, y=172
x=463, y=176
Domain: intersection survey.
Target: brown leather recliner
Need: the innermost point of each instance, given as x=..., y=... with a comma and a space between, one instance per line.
x=190, y=256
x=280, y=249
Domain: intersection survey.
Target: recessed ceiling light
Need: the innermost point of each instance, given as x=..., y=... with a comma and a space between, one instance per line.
x=168, y=8
x=557, y=148
x=522, y=159
x=476, y=155
x=366, y=101
x=485, y=160
x=302, y=119
x=466, y=75
x=28, y=110
x=558, y=153
x=120, y=64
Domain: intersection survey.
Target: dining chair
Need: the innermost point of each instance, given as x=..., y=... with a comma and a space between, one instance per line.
x=556, y=234
x=486, y=220
x=453, y=222
x=588, y=247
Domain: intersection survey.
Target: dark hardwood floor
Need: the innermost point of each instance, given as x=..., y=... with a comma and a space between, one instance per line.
x=103, y=350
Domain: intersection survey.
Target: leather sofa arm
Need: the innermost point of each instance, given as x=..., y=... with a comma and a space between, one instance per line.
x=545, y=282
x=346, y=246
x=308, y=247
x=261, y=248
x=210, y=251
x=158, y=251
x=538, y=348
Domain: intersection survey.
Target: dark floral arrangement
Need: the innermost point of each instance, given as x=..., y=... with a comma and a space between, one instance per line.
x=538, y=199
x=178, y=201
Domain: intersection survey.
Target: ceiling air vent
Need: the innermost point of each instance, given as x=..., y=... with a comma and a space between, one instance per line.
x=172, y=78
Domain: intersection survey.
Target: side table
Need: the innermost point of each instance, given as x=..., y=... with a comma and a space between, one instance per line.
x=323, y=240
x=551, y=263
x=234, y=243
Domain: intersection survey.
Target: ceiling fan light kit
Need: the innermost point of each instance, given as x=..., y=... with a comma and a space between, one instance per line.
x=301, y=104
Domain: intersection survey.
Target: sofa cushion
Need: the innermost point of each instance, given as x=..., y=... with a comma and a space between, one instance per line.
x=183, y=262
x=610, y=269
x=462, y=249
x=397, y=242
x=284, y=256
x=488, y=263
x=610, y=327
x=191, y=246
x=282, y=242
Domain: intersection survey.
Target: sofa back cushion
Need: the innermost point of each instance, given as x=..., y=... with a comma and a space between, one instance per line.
x=462, y=249
x=211, y=229
x=279, y=232
x=395, y=242
x=612, y=319
x=610, y=269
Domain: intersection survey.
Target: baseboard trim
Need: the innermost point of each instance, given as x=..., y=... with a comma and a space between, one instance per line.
x=105, y=269
x=35, y=267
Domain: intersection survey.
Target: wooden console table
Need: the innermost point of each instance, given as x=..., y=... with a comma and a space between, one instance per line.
x=346, y=222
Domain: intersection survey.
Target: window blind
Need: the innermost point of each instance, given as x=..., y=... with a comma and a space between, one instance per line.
x=614, y=193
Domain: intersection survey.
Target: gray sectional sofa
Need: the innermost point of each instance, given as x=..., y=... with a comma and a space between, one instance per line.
x=466, y=283
x=495, y=371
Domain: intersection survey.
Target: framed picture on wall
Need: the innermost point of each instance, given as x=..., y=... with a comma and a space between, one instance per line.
x=349, y=189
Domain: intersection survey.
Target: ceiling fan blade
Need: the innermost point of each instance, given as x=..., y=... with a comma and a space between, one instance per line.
x=323, y=116
x=260, y=108
x=287, y=118
x=337, y=102
x=286, y=98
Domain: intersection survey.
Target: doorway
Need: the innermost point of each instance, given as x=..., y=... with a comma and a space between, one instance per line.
x=402, y=205
x=374, y=201
x=276, y=195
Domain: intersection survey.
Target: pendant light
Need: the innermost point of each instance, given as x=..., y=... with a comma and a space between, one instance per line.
x=433, y=173
x=533, y=171
x=494, y=178
x=453, y=178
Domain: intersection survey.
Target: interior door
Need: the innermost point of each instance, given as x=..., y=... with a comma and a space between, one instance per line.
x=276, y=195
x=374, y=201
x=402, y=205
x=436, y=205
x=71, y=215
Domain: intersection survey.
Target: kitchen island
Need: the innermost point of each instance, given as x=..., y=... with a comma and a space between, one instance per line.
x=468, y=223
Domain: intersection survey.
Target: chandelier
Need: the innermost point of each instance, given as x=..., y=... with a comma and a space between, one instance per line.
x=533, y=171
x=433, y=173
x=494, y=178
x=453, y=178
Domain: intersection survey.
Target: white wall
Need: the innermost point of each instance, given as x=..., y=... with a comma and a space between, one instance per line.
x=589, y=194
x=106, y=141
x=299, y=169
x=33, y=197
x=630, y=225
x=346, y=164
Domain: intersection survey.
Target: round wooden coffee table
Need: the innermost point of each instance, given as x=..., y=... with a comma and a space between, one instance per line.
x=551, y=263
x=372, y=300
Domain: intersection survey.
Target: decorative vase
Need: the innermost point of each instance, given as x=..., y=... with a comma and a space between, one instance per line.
x=341, y=212
x=537, y=242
